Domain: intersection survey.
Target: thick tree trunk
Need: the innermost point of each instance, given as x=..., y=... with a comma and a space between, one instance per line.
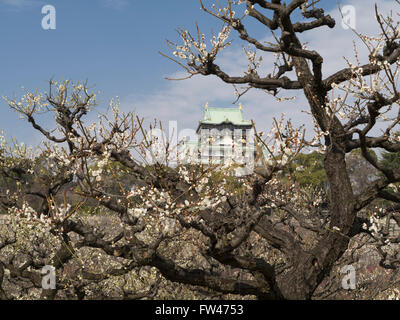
x=311, y=267
x=342, y=213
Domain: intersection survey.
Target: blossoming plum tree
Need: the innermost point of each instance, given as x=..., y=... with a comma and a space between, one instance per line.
x=345, y=106
x=173, y=221
x=191, y=226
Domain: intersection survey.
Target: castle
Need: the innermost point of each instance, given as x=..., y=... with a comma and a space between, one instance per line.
x=224, y=136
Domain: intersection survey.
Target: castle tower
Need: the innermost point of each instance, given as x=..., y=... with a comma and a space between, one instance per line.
x=220, y=132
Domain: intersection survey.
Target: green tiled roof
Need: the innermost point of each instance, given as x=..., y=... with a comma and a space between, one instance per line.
x=221, y=115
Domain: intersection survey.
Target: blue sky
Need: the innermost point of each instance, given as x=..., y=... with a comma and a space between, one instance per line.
x=114, y=44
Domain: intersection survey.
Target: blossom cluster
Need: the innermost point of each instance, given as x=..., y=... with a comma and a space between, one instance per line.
x=194, y=51
x=282, y=143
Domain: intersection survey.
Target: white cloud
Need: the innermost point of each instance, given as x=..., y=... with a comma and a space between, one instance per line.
x=184, y=100
x=335, y=44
